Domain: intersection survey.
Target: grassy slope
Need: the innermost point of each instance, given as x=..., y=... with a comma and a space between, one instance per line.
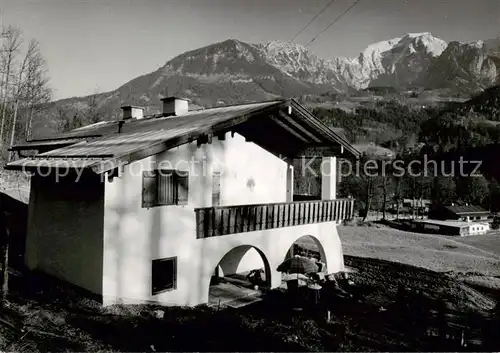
x=433, y=252
x=475, y=260
x=57, y=318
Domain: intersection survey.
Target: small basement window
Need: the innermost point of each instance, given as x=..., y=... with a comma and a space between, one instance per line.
x=163, y=275
x=162, y=187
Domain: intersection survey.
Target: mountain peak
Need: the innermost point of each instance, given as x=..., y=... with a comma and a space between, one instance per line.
x=278, y=46
x=232, y=71
x=411, y=42
x=420, y=34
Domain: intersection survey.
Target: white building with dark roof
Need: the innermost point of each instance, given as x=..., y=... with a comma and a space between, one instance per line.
x=147, y=209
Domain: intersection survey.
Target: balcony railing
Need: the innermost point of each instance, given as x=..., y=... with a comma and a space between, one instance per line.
x=223, y=220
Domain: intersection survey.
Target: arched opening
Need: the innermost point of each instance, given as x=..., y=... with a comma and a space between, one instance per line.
x=237, y=275
x=307, y=246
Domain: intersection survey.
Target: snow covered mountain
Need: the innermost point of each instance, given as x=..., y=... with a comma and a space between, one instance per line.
x=399, y=62
x=385, y=63
x=233, y=72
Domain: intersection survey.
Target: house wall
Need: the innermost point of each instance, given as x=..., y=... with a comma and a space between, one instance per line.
x=474, y=218
x=478, y=228
x=65, y=230
x=464, y=231
x=134, y=236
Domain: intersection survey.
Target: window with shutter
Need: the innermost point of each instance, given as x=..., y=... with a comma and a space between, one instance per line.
x=182, y=188
x=216, y=189
x=149, y=189
x=164, y=187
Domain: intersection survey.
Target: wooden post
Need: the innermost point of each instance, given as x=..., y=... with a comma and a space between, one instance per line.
x=289, y=181
x=329, y=178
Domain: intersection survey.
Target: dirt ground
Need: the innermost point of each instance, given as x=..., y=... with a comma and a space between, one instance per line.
x=49, y=316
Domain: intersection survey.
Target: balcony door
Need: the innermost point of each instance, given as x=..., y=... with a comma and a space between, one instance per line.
x=216, y=178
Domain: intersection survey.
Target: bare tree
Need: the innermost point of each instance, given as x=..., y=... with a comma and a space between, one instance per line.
x=10, y=48
x=397, y=195
x=24, y=86
x=19, y=85
x=30, y=87
x=386, y=183
x=93, y=112
x=368, y=197
x=68, y=119
x=37, y=88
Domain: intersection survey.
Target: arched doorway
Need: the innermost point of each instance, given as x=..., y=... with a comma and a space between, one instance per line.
x=229, y=281
x=309, y=246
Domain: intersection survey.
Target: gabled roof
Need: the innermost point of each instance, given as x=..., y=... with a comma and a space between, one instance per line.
x=466, y=210
x=281, y=125
x=40, y=144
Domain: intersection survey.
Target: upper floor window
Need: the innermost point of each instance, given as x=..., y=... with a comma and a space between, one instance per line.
x=216, y=189
x=164, y=187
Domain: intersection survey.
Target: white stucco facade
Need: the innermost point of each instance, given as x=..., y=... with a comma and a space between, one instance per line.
x=107, y=243
x=65, y=230
x=476, y=228
x=134, y=236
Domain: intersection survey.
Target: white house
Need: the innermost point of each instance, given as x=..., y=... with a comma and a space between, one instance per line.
x=478, y=228
x=145, y=209
x=452, y=227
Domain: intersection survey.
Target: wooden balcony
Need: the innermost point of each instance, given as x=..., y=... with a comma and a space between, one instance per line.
x=224, y=220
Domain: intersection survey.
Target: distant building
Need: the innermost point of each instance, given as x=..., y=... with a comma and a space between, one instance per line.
x=461, y=213
x=451, y=227
x=419, y=205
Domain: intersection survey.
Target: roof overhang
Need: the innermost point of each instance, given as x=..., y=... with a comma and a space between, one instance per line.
x=301, y=133
x=335, y=141
x=44, y=144
x=463, y=213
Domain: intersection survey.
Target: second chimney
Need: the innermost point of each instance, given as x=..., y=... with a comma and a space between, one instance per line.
x=174, y=106
x=132, y=112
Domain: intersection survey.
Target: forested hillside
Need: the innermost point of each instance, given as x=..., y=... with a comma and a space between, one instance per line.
x=468, y=131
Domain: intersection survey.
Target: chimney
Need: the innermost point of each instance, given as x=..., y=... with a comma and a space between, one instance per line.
x=174, y=106
x=132, y=112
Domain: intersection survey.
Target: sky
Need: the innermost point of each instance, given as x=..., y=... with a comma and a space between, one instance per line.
x=97, y=45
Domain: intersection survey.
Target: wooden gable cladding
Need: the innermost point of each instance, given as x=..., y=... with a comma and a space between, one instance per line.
x=299, y=127
x=268, y=135
x=286, y=140
x=329, y=151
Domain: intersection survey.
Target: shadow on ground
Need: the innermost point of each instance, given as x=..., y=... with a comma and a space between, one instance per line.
x=63, y=318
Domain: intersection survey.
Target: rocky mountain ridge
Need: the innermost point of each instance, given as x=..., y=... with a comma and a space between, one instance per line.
x=233, y=71
x=399, y=62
